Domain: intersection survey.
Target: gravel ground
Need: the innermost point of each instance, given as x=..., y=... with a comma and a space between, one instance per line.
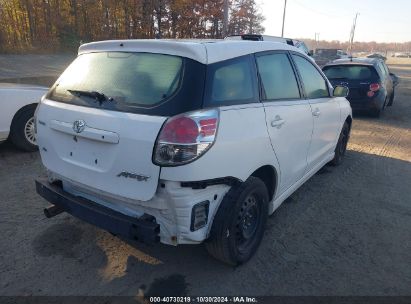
x=347, y=231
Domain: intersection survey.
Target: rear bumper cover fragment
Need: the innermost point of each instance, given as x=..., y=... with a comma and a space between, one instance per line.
x=143, y=229
x=366, y=104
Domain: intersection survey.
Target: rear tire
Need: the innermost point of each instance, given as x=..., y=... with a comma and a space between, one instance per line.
x=239, y=224
x=341, y=147
x=22, y=129
x=375, y=113
x=391, y=101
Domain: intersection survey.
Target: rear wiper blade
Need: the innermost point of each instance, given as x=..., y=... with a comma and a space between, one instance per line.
x=338, y=78
x=100, y=97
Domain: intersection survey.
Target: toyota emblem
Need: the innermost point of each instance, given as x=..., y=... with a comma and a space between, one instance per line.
x=79, y=126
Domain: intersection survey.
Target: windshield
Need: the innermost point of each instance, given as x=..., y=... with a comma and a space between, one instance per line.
x=352, y=72
x=138, y=79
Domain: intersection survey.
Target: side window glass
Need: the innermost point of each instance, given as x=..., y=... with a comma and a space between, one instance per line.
x=386, y=69
x=277, y=77
x=231, y=82
x=382, y=68
x=315, y=85
x=379, y=70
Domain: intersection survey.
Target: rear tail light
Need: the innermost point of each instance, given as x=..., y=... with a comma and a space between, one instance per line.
x=184, y=138
x=374, y=87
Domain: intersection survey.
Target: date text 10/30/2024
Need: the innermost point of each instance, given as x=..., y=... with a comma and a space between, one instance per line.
x=203, y=300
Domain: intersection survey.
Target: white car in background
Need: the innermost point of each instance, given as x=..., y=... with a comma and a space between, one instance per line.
x=18, y=103
x=257, y=37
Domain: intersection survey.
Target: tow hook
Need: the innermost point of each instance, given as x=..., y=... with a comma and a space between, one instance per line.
x=53, y=210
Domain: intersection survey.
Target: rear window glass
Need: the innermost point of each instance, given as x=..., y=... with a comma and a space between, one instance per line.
x=138, y=79
x=353, y=72
x=231, y=82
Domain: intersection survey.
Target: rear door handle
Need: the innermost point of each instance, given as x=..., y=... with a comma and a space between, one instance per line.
x=316, y=112
x=277, y=122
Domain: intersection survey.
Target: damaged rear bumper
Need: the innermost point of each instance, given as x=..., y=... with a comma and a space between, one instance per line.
x=144, y=228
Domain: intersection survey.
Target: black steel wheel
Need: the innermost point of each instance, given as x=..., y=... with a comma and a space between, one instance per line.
x=247, y=222
x=239, y=223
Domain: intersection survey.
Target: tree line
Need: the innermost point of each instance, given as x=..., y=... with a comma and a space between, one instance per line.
x=360, y=46
x=56, y=25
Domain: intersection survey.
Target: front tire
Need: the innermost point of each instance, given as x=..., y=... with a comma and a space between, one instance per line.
x=341, y=147
x=22, y=129
x=239, y=224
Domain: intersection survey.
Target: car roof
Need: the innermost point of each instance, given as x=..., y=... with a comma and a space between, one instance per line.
x=258, y=36
x=354, y=61
x=204, y=51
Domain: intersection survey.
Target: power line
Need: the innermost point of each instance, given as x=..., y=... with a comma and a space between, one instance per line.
x=317, y=39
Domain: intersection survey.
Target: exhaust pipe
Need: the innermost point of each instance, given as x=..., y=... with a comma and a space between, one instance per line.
x=53, y=210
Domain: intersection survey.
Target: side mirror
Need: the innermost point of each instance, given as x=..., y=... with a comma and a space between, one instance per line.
x=341, y=91
x=310, y=53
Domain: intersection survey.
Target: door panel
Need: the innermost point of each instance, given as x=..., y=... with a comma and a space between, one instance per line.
x=290, y=126
x=325, y=111
x=288, y=116
x=326, y=115
x=388, y=80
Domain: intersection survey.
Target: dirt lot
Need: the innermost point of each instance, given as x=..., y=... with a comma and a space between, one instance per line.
x=347, y=231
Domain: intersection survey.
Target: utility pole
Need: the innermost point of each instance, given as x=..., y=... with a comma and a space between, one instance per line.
x=285, y=6
x=225, y=21
x=317, y=40
x=353, y=32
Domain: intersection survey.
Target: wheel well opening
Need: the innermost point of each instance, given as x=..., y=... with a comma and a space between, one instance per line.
x=269, y=176
x=32, y=105
x=349, y=121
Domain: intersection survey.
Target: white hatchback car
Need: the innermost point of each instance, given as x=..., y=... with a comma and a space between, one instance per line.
x=184, y=142
x=18, y=103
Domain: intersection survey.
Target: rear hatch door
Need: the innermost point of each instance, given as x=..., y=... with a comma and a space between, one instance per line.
x=98, y=124
x=356, y=77
x=112, y=153
x=358, y=88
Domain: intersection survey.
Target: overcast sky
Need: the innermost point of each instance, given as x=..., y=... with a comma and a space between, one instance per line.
x=379, y=20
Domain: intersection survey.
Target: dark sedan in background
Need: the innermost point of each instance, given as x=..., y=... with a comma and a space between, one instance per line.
x=372, y=86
